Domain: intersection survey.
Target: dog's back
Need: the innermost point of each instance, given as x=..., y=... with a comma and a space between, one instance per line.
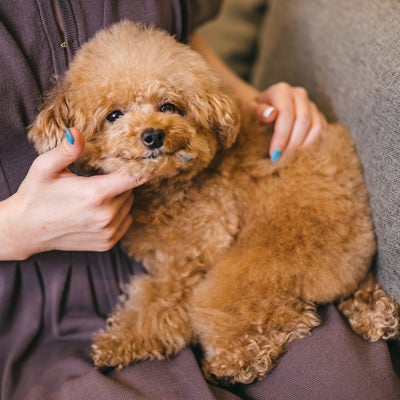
x=309, y=210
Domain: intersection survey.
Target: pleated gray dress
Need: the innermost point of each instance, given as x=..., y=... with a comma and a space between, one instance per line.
x=51, y=303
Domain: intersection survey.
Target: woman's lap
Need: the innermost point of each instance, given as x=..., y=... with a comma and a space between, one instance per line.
x=333, y=363
x=49, y=312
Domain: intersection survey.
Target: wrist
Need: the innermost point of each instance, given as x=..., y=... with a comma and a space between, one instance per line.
x=13, y=235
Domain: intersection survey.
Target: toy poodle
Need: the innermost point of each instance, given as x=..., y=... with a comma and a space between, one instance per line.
x=239, y=251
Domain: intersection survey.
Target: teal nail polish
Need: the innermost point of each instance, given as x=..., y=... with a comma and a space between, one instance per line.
x=276, y=154
x=69, y=137
x=185, y=158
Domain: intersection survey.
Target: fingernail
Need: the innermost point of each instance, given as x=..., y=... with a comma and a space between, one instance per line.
x=276, y=154
x=268, y=111
x=185, y=158
x=69, y=137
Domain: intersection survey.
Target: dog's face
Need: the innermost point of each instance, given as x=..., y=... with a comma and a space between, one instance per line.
x=146, y=105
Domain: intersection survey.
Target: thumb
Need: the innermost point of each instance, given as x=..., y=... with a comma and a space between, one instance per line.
x=68, y=151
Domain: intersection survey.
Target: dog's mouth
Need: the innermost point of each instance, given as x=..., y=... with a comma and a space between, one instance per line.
x=153, y=155
x=162, y=161
x=157, y=154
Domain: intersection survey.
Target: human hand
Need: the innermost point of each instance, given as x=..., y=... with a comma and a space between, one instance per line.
x=298, y=122
x=55, y=209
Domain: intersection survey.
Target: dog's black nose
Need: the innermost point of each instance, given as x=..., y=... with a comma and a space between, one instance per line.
x=153, y=138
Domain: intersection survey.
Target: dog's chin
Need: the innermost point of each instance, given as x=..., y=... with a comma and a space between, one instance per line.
x=151, y=164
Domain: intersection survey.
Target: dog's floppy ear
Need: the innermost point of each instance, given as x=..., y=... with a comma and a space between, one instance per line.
x=217, y=111
x=48, y=128
x=226, y=118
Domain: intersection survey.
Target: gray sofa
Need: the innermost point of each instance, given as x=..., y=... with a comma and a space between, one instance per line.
x=346, y=53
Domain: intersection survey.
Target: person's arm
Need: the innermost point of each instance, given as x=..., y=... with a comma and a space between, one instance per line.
x=244, y=92
x=298, y=122
x=55, y=209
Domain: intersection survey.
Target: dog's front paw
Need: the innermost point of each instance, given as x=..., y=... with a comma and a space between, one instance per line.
x=119, y=347
x=111, y=350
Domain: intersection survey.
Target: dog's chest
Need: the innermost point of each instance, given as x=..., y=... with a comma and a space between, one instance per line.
x=187, y=229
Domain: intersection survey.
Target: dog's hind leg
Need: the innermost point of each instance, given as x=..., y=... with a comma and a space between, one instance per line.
x=243, y=321
x=371, y=313
x=152, y=324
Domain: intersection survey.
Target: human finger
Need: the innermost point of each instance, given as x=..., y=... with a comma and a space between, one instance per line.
x=319, y=126
x=118, y=226
x=303, y=121
x=107, y=242
x=122, y=207
x=55, y=161
x=122, y=228
x=265, y=112
x=280, y=97
x=113, y=184
x=105, y=229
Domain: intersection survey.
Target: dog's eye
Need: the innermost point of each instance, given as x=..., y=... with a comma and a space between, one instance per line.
x=169, y=107
x=114, y=115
